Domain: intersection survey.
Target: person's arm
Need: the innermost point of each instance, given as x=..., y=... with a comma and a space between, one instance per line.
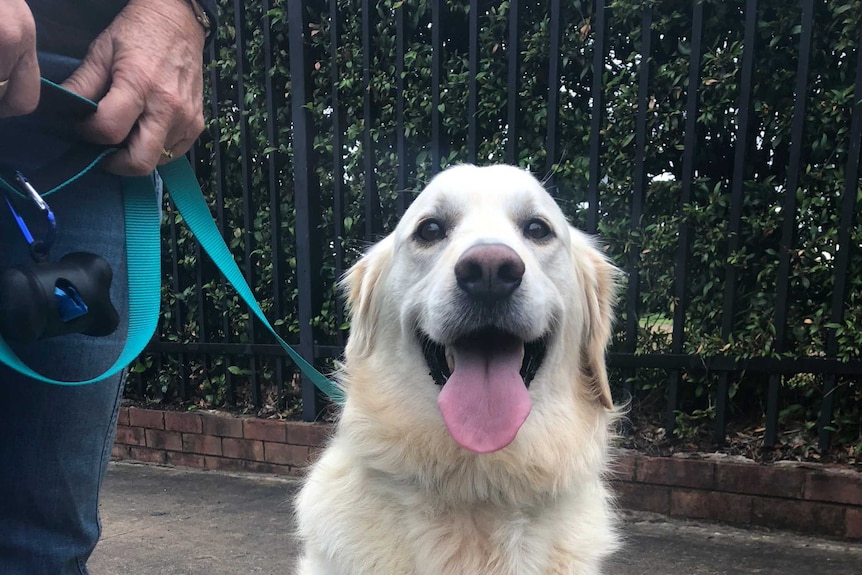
x=146, y=72
x=19, y=69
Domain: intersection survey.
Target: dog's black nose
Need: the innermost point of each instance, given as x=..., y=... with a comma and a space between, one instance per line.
x=489, y=272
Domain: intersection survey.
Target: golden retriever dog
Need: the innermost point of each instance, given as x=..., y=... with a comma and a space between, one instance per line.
x=475, y=433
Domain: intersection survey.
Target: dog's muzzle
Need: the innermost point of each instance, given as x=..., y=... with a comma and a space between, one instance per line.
x=486, y=367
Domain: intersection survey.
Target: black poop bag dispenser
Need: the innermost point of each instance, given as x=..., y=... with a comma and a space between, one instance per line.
x=48, y=299
x=42, y=299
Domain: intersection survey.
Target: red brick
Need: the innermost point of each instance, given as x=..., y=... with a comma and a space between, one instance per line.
x=312, y=434
x=285, y=453
x=123, y=416
x=223, y=464
x=260, y=467
x=168, y=440
x=676, y=471
x=202, y=444
x=760, y=480
x=221, y=425
x=265, y=429
x=853, y=524
x=183, y=421
x=249, y=449
x=186, y=459
x=130, y=435
x=803, y=516
x=834, y=486
x=147, y=454
x=149, y=418
x=241, y=465
x=641, y=497
x=119, y=452
x=623, y=465
x=285, y=470
x=712, y=505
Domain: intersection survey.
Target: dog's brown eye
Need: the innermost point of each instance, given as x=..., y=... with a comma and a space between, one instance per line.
x=430, y=231
x=537, y=230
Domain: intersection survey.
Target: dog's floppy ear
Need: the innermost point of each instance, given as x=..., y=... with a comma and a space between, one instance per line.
x=359, y=285
x=599, y=278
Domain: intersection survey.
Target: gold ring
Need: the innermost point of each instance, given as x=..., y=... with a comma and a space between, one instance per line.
x=167, y=153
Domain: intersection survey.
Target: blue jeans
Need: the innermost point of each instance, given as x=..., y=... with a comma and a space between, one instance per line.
x=55, y=441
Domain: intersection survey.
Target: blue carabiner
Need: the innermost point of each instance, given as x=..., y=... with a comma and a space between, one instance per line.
x=38, y=248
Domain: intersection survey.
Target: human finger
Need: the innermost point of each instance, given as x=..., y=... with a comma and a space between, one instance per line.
x=142, y=151
x=116, y=116
x=19, y=68
x=174, y=151
x=93, y=77
x=20, y=94
x=185, y=130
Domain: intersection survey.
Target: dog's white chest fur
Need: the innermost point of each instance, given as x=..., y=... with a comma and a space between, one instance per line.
x=408, y=531
x=474, y=438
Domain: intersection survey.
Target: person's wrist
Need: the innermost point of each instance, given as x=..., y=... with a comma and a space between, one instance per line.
x=180, y=13
x=201, y=16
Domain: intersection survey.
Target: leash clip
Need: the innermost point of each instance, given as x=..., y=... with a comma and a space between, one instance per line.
x=38, y=248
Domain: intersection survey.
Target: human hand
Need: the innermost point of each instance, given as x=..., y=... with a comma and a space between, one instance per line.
x=19, y=69
x=146, y=72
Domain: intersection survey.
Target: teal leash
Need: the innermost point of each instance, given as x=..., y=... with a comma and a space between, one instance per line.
x=186, y=194
x=143, y=255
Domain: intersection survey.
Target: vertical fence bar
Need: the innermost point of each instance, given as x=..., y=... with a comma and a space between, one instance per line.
x=372, y=198
x=597, y=116
x=200, y=260
x=788, y=212
x=552, y=137
x=272, y=169
x=218, y=166
x=197, y=158
x=734, y=223
x=639, y=192
x=683, y=250
x=247, y=186
x=842, y=257
x=400, y=136
x=436, y=73
x=179, y=309
x=338, y=158
x=306, y=200
x=512, y=82
x=472, y=85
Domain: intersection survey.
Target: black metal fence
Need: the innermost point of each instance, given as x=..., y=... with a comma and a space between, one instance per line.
x=642, y=117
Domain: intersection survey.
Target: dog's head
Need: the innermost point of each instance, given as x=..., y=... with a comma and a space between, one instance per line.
x=486, y=300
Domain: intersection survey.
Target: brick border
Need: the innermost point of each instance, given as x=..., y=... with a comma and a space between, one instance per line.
x=213, y=441
x=808, y=498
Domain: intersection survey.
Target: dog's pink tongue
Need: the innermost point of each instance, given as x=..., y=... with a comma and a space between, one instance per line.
x=485, y=402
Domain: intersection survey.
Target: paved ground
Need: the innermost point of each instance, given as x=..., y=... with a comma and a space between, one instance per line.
x=165, y=521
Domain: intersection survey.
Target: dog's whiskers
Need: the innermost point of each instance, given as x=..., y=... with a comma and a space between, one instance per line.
x=554, y=169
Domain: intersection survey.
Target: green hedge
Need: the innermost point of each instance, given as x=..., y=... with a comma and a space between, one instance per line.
x=821, y=180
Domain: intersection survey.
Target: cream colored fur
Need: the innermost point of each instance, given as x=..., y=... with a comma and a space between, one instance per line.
x=393, y=494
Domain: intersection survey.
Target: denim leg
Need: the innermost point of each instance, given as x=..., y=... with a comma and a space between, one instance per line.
x=55, y=441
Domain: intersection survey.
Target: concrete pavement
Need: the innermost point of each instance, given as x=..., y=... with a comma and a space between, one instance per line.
x=171, y=521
